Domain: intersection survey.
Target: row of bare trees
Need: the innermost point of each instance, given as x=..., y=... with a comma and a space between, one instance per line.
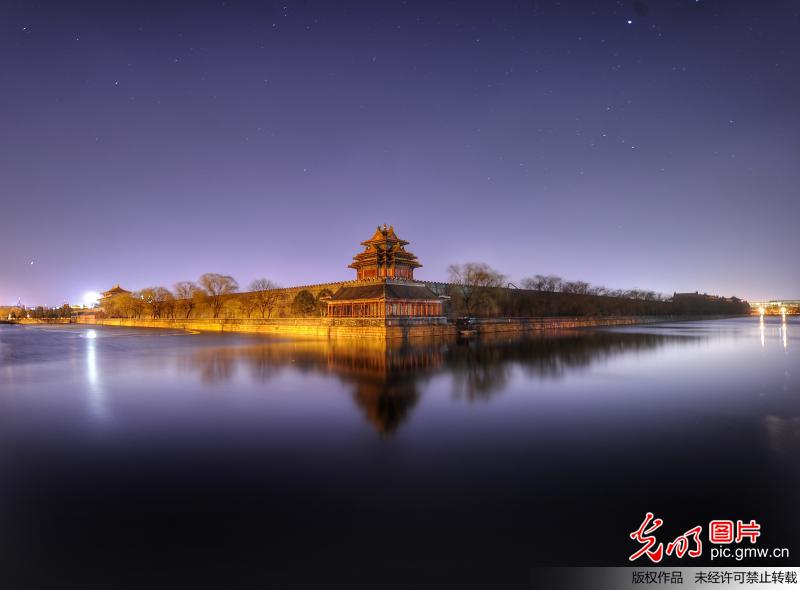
x=211, y=291
x=477, y=291
x=474, y=283
x=555, y=284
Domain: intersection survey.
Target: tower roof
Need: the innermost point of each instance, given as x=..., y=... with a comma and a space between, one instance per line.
x=384, y=235
x=384, y=255
x=115, y=290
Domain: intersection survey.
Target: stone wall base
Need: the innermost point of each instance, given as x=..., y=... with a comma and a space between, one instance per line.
x=375, y=328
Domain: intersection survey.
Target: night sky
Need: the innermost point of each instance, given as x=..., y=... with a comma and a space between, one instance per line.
x=651, y=144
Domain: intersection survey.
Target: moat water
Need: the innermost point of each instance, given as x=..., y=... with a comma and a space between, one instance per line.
x=134, y=458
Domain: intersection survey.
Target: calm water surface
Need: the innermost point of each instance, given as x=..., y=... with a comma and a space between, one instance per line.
x=139, y=458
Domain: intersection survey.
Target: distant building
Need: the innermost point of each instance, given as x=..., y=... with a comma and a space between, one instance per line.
x=701, y=297
x=115, y=290
x=695, y=296
x=776, y=306
x=705, y=304
x=108, y=295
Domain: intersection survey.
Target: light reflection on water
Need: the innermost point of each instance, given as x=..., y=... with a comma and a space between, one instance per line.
x=96, y=397
x=785, y=333
x=487, y=451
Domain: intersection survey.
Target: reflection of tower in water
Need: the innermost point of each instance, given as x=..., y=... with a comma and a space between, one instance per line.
x=385, y=377
x=386, y=404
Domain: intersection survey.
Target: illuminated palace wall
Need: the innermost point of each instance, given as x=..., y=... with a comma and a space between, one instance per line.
x=385, y=287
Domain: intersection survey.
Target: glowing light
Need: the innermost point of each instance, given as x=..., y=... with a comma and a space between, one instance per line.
x=91, y=298
x=761, y=310
x=92, y=334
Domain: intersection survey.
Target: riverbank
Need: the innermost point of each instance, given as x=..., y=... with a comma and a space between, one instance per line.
x=43, y=321
x=393, y=328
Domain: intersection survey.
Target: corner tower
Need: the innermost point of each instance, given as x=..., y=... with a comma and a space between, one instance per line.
x=384, y=256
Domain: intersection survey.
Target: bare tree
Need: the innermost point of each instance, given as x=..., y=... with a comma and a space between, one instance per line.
x=114, y=307
x=168, y=307
x=216, y=286
x=579, y=287
x=155, y=298
x=555, y=284
x=473, y=281
x=247, y=303
x=120, y=305
x=546, y=283
x=533, y=283
x=131, y=304
x=187, y=294
x=266, y=296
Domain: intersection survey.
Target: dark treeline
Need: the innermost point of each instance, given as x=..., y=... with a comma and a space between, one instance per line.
x=505, y=302
x=40, y=312
x=477, y=290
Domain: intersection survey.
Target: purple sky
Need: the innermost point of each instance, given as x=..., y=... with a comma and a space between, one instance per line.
x=650, y=144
